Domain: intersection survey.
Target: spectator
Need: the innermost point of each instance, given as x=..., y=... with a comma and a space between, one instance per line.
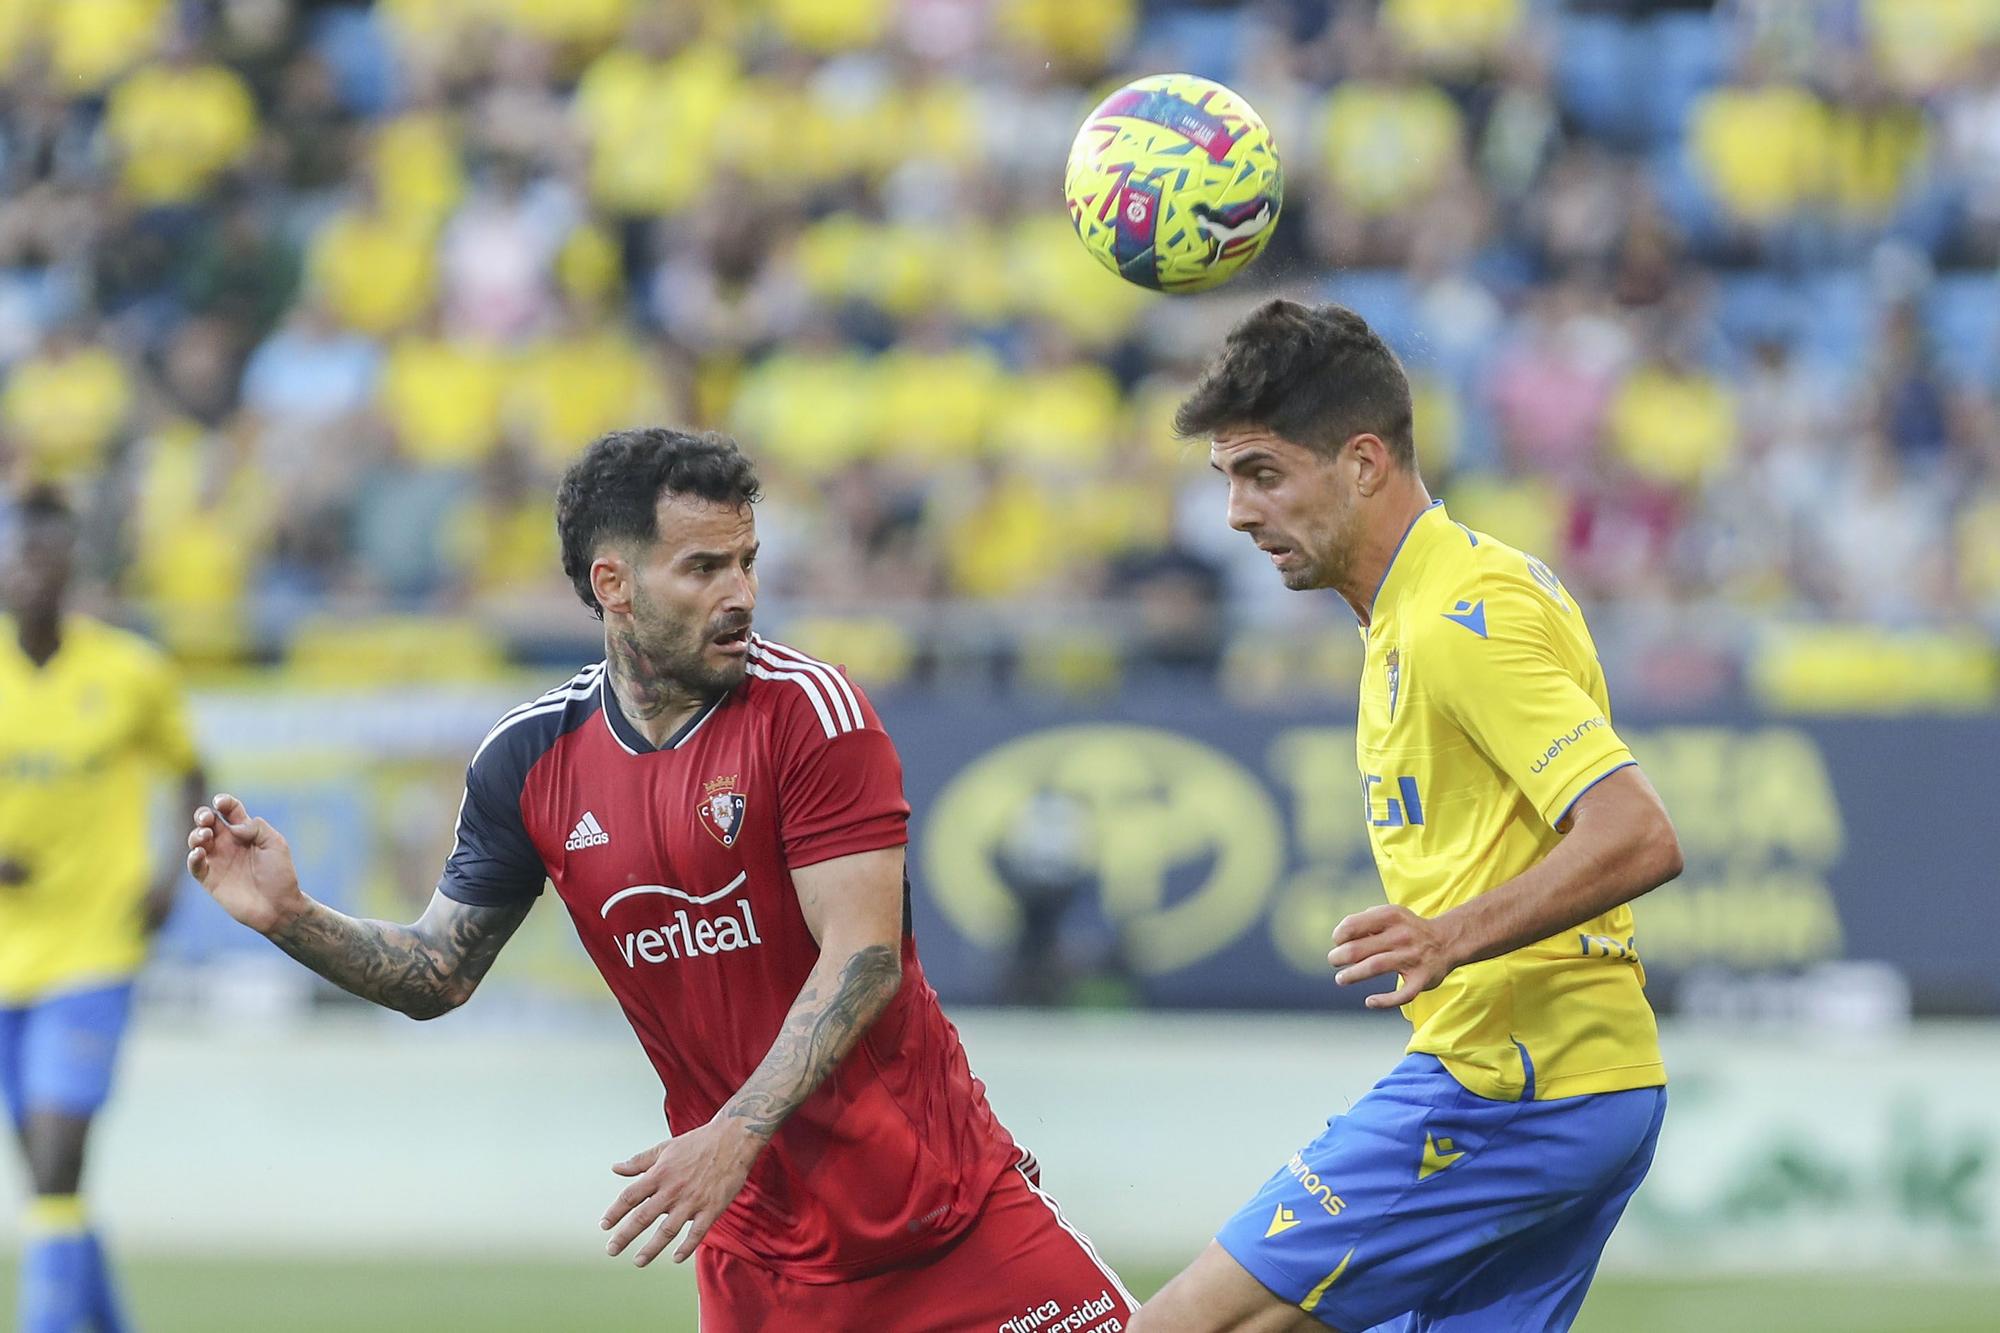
x=1672, y=421
x=176, y=125
x=66, y=407
x=376, y=271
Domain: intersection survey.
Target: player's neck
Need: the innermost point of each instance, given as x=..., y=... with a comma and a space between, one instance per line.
x=1381, y=540
x=40, y=635
x=656, y=705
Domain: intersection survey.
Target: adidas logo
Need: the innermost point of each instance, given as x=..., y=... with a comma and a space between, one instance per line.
x=587, y=833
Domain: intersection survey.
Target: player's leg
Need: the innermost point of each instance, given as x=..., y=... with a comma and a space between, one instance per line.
x=1023, y=1239
x=1019, y=1266
x=738, y=1296
x=1387, y=1211
x=68, y=1049
x=1540, y=1278
x=1216, y=1293
x=1309, y=1248
x=13, y=1026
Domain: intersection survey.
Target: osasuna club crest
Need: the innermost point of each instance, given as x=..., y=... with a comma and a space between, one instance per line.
x=721, y=809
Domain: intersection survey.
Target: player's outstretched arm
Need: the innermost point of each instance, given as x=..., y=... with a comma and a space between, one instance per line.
x=854, y=907
x=423, y=970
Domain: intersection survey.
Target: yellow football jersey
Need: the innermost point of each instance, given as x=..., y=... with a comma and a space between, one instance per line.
x=83, y=738
x=1483, y=717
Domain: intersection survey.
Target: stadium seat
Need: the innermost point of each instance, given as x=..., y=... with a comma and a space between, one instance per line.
x=1383, y=298
x=1200, y=42
x=1841, y=313
x=1963, y=318
x=336, y=650
x=875, y=650
x=1758, y=306
x=1687, y=200
x=1861, y=669
x=1683, y=55
x=361, y=57
x=1597, y=64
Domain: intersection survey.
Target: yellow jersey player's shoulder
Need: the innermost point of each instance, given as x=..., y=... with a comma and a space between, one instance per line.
x=1483, y=589
x=123, y=650
x=1500, y=649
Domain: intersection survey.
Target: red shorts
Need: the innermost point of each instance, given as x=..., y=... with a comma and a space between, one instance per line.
x=1019, y=1268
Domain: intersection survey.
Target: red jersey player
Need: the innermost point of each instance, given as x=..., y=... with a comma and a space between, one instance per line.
x=723, y=817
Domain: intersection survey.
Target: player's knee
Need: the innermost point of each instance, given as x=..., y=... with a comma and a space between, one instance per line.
x=54, y=1142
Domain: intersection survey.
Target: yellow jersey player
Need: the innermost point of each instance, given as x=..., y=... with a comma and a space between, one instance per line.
x=90, y=716
x=1474, y=1186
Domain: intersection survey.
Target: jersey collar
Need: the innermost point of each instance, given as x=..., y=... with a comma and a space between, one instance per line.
x=629, y=737
x=1409, y=554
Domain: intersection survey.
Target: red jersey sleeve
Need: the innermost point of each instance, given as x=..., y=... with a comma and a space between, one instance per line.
x=840, y=781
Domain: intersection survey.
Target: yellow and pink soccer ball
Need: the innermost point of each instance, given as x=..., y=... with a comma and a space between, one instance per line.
x=1173, y=183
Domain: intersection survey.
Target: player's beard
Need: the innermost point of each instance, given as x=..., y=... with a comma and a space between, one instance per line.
x=1331, y=552
x=662, y=656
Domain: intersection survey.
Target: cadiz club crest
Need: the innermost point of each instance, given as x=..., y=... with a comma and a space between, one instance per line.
x=1395, y=665
x=721, y=809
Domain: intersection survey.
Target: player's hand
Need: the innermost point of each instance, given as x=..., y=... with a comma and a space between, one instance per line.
x=245, y=865
x=687, y=1180
x=1391, y=939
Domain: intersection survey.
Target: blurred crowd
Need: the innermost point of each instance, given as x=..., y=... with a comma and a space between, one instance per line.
x=310, y=303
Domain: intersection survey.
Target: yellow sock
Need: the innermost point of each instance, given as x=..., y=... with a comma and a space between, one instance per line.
x=55, y=1215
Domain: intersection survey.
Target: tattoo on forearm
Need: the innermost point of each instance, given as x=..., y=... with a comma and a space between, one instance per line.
x=422, y=970
x=818, y=1031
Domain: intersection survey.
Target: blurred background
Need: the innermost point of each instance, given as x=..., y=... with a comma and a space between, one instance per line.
x=307, y=305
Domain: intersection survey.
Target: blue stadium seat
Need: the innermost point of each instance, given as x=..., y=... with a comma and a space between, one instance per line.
x=1759, y=305
x=1598, y=76
x=362, y=58
x=1841, y=316
x=1683, y=56
x=1963, y=319
x=1382, y=296
x=1687, y=200
x=1201, y=42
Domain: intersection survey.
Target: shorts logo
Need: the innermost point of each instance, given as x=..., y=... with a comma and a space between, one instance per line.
x=1329, y=1201
x=1437, y=1156
x=1282, y=1220
x=1313, y=1297
x=1087, y=1316
x=721, y=809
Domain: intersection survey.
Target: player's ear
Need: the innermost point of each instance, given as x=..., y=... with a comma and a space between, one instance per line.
x=611, y=580
x=1373, y=462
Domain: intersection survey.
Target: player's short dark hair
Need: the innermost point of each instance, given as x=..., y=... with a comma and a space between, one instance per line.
x=1314, y=375
x=613, y=491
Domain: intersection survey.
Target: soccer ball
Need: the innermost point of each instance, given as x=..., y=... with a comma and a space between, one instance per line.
x=1173, y=183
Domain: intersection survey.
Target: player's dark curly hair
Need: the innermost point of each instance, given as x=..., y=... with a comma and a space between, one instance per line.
x=1314, y=375
x=612, y=493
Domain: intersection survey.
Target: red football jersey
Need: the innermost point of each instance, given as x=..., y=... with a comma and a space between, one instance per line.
x=676, y=865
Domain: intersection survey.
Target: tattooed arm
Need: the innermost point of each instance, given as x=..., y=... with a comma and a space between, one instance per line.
x=854, y=907
x=422, y=970
x=859, y=970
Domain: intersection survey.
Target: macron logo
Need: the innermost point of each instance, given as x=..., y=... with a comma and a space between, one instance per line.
x=587, y=833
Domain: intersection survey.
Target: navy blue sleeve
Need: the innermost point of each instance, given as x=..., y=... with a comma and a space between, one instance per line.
x=493, y=863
